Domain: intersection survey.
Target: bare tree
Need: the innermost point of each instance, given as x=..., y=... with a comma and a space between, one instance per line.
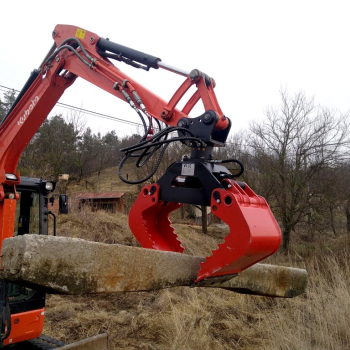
x=341, y=191
x=293, y=144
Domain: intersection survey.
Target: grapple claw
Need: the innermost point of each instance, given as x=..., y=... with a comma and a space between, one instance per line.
x=149, y=221
x=254, y=233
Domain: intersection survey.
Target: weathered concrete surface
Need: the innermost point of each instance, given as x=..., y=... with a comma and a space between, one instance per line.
x=75, y=266
x=267, y=280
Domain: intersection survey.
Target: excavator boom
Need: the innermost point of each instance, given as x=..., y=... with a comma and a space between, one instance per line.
x=197, y=179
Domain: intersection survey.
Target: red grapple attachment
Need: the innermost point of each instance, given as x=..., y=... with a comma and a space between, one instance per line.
x=149, y=221
x=254, y=233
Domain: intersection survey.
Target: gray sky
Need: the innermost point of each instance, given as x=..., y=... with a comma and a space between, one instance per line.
x=251, y=48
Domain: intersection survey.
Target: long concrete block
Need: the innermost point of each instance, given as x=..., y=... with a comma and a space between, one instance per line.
x=265, y=280
x=75, y=266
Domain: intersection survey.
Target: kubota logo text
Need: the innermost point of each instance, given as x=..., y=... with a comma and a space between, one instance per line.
x=28, y=111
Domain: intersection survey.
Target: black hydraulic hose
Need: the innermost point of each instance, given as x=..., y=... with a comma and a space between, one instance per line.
x=136, y=182
x=146, y=144
x=166, y=142
x=36, y=72
x=161, y=133
x=148, y=154
x=130, y=155
x=142, y=120
x=71, y=48
x=231, y=161
x=159, y=125
x=80, y=45
x=133, y=106
x=154, y=143
x=149, y=145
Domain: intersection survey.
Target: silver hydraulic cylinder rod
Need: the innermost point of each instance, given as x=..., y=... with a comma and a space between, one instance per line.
x=173, y=69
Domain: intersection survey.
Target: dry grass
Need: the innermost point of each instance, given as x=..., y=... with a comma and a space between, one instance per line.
x=98, y=226
x=184, y=318
x=107, y=180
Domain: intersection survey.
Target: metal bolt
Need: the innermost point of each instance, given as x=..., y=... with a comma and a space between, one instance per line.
x=165, y=114
x=229, y=186
x=92, y=39
x=54, y=33
x=57, y=59
x=194, y=74
x=207, y=118
x=218, y=201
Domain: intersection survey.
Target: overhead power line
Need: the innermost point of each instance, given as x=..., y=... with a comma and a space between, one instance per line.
x=86, y=111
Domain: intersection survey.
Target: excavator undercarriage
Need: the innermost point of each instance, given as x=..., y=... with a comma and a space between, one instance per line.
x=98, y=342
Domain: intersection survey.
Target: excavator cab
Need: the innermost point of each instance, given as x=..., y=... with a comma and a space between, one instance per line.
x=24, y=308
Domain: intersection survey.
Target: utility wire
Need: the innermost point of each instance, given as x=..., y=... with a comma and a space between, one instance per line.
x=86, y=111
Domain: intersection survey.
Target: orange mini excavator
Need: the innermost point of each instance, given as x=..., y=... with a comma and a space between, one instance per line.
x=196, y=179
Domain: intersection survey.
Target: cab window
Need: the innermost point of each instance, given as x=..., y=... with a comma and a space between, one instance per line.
x=27, y=213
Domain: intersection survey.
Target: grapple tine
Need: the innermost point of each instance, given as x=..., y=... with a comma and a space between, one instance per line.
x=254, y=232
x=149, y=221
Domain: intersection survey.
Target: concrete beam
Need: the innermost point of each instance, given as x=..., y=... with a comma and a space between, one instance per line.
x=75, y=266
x=265, y=280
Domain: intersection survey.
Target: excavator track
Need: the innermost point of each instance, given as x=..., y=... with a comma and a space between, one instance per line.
x=42, y=343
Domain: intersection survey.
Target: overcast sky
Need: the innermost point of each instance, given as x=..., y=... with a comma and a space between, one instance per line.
x=251, y=48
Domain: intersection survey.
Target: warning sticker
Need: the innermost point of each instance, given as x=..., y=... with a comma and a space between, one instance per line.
x=80, y=33
x=187, y=169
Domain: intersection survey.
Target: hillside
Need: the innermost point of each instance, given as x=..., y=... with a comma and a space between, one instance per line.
x=185, y=318
x=107, y=180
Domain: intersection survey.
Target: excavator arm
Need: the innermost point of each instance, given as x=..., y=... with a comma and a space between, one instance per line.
x=198, y=179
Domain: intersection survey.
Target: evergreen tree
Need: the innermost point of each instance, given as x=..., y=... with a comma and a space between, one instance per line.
x=6, y=103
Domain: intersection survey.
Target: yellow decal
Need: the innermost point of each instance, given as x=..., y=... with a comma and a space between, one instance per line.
x=80, y=33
